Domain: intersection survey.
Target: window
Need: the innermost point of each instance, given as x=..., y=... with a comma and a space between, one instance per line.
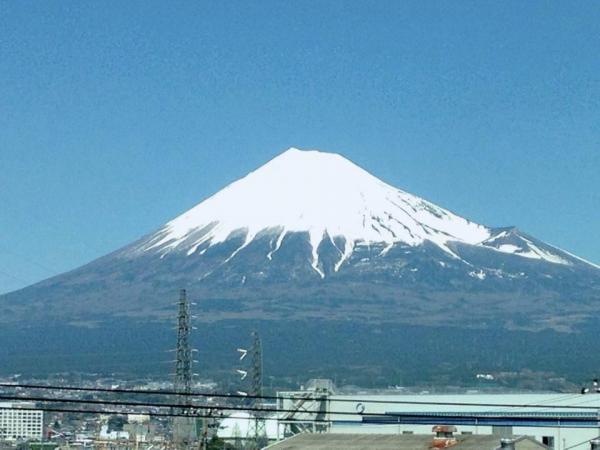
x=548, y=440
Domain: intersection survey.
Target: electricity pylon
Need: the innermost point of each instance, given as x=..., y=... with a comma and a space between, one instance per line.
x=183, y=427
x=256, y=392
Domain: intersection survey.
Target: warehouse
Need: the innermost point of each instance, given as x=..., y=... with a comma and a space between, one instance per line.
x=559, y=421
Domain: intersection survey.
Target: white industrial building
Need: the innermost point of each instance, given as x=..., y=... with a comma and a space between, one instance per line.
x=17, y=423
x=240, y=426
x=560, y=421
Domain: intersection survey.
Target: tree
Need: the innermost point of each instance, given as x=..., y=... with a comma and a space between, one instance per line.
x=217, y=443
x=115, y=423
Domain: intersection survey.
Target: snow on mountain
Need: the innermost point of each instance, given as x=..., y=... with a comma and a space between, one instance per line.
x=328, y=197
x=509, y=240
x=258, y=250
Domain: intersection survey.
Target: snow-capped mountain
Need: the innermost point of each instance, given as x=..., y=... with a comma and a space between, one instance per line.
x=329, y=198
x=313, y=233
x=332, y=265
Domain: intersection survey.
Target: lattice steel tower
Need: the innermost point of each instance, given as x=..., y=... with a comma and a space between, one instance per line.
x=256, y=392
x=183, y=427
x=183, y=360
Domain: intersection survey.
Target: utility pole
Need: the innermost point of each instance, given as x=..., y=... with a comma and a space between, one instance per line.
x=258, y=438
x=183, y=427
x=204, y=438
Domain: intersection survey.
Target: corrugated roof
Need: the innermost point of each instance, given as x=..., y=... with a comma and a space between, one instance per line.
x=331, y=441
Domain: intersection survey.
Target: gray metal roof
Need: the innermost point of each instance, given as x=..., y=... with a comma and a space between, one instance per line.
x=331, y=441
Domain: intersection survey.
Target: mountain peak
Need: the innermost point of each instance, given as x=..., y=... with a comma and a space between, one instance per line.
x=322, y=194
x=327, y=197
x=307, y=154
x=314, y=166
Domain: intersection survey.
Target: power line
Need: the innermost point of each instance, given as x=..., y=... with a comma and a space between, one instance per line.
x=267, y=397
x=210, y=407
x=99, y=411
x=148, y=413
x=542, y=402
x=27, y=259
x=589, y=400
x=212, y=412
x=14, y=277
x=254, y=407
x=581, y=443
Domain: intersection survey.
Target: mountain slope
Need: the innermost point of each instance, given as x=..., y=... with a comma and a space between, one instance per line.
x=313, y=235
x=343, y=275
x=329, y=198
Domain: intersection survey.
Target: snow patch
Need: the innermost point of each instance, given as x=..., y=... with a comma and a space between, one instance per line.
x=479, y=274
x=277, y=245
x=509, y=248
x=315, y=240
x=249, y=238
x=348, y=249
x=585, y=261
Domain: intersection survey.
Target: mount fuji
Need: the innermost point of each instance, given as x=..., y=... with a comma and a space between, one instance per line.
x=312, y=237
x=328, y=198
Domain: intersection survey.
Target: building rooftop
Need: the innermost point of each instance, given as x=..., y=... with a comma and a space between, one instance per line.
x=330, y=441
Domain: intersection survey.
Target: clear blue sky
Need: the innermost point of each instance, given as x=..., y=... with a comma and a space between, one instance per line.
x=117, y=116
